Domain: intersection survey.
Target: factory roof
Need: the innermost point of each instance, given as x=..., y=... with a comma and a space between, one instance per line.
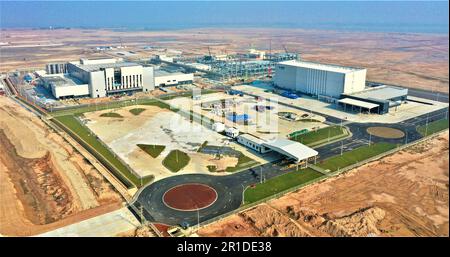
x=381, y=93
x=358, y=103
x=321, y=66
x=96, y=67
x=60, y=81
x=252, y=138
x=163, y=73
x=292, y=149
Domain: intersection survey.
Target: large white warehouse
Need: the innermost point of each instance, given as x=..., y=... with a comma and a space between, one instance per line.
x=319, y=79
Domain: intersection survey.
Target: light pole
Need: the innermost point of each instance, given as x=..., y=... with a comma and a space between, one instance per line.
x=243, y=190
x=370, y=138
x=198, y=218
x=342, y=147
x=260, y=174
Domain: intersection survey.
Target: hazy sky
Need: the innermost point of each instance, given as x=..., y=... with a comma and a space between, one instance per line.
x=371, y=16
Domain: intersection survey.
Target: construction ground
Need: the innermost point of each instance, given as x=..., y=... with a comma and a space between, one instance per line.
x=123, y=131
x=45, y=182
x=267, y=123
x=414, y=106
x=403, y=194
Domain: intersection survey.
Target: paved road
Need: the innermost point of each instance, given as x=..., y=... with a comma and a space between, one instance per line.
x=422, y=93
x=230, y=187
x=229, y=190
x=435, y=96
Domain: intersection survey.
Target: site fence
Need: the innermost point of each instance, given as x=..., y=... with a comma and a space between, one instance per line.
x=101, y=105
x=111, y=150
x=125, y=181
x=319, y=179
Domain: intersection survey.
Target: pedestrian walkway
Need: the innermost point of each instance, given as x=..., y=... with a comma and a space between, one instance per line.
x=106, y=225
x=318, y=169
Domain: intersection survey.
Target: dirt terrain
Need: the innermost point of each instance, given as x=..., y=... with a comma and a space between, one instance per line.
x=45, y=183
x=413, y=60
x=404, y=194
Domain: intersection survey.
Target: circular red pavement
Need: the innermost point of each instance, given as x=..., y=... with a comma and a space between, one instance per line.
x=190, y=197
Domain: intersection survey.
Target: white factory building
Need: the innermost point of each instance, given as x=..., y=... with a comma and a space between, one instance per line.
x=166, y=78
x=108, y=76
x=101, y=77
x=319, y=79
x=63, y=86
x=292, y=150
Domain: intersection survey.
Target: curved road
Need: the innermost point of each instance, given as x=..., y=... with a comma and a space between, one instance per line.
x=230, y=187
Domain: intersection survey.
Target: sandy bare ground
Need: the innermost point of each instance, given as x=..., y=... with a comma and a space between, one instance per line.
x=265, y=124
x=404, y=194
x=415, y=60
x=156, y=126
x=44, y=180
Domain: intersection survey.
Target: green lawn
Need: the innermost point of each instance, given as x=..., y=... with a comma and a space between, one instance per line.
x=187, y=94
x=110, y=105
x=320, y=134
x=310, y=120
x=201, y=147
x=243, y=162
x=111, y=115
x=433, y=127
x=279, y=184
x=176, y=160
x=153, y=150
x=354, y=156
x=125, y=175
x=67, y=118
x=137, y=111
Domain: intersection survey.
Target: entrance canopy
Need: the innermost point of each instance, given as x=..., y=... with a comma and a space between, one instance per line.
x=358, y=103
x=291, y=149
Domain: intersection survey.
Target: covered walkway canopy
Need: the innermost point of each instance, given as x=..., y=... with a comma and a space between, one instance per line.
x=358, y=103
x=292, y=149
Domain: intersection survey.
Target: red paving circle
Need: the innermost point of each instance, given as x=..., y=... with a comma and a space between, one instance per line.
x=190, y=197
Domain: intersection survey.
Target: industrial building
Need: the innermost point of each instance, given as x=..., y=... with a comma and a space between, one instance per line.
x=374, y=100
x=253, y=142
x=232, y=69
x=63, y=86
x=109, y=76
x=319, y=79
x=292, y=150
x=56, y=68
x=342, y=85
x=166, y=78
x=101, y=77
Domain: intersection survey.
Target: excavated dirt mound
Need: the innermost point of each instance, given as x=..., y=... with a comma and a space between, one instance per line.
x=46, y=198
x=403, y=194
x=385, y=132
x=45, y=183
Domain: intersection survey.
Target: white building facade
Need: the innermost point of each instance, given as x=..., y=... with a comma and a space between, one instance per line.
x=319, y=79
x=165, y=78
x=109, y=76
